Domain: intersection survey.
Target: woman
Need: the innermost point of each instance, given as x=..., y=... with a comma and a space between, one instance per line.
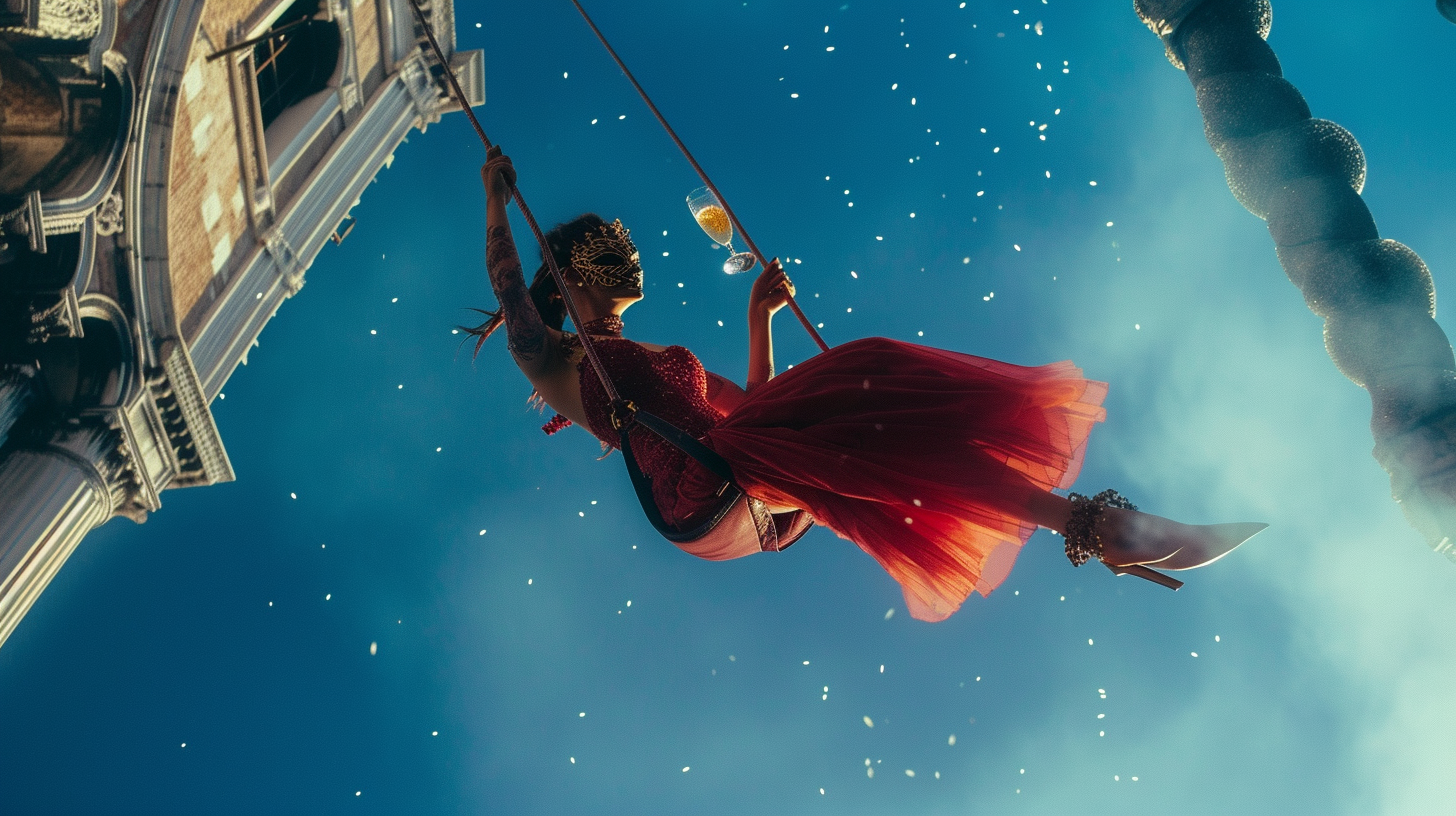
x=940, y=465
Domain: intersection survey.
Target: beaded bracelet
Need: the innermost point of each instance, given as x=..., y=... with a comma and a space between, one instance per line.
x=1083, y=542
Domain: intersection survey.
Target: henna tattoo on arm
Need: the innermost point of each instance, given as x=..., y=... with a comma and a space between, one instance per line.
x=526, y=332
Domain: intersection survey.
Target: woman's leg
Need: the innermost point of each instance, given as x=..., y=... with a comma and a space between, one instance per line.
x=1047, y=509
x=1121, y=543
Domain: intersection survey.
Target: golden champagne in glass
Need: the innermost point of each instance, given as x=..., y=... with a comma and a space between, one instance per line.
x=714, y=221
x=710, y=214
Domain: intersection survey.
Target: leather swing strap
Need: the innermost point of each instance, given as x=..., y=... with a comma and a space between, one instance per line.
x=642, y=485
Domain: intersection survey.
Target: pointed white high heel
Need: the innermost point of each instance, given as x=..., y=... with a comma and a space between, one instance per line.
x=1188, y=546
x=1210, y=543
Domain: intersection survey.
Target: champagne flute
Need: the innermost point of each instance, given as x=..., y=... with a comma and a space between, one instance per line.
x=710, y=214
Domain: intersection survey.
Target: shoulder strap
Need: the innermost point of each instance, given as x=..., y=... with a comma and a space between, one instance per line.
x=642, y=483
x=683, y=441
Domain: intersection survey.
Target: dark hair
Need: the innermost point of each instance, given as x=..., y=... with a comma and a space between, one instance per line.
x=543, y=287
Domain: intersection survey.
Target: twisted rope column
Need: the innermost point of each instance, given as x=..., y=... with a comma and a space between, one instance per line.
x=1304, y=177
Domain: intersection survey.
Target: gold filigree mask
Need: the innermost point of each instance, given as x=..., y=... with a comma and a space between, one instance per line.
x=606, y=257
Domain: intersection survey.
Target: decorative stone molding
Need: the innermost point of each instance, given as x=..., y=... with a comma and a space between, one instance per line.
x=54, y=315
x=97, y=57
x=108, y=215
x=163, y=436
x=132, y=495
x=117, y=448
x=441, y=14
x=423, y=92
x=248, y=122
x=68, y=214
x=28, y=220
x=64, y=20
x=257, y=291
x=350, y=99
x=148, y=170
x=290, y=267
x=177, y=392
x=469, y=69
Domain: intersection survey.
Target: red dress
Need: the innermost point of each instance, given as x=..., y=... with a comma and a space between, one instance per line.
x=922, y=457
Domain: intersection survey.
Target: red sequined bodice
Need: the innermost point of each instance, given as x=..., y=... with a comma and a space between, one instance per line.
x=670, y=384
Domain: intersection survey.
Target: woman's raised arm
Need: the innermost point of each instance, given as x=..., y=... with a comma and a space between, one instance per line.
x=526, y=333
x=770, y=292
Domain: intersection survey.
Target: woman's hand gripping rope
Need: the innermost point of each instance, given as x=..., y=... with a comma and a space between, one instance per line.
x=771, y=291
x=498, y=174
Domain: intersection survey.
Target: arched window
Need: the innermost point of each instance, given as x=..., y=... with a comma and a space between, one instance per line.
x=83, y=372
x=295, y=59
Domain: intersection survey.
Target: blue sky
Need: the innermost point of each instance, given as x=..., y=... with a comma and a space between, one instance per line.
x=393, y=492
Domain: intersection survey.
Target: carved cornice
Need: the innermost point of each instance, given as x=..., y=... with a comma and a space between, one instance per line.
x=262, y=282
x=163, y=436
x=260, y=285
x=177, y=392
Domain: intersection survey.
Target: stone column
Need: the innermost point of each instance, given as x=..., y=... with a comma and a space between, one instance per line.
x=16, y=394
x=51, y=496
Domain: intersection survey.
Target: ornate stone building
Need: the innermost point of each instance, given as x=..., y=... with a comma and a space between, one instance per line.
x=169, y=169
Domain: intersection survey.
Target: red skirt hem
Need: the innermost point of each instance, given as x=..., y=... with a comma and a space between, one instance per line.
x=922, y=457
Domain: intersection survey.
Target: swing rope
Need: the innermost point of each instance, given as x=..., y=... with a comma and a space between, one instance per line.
x=586, y=341
x=661, y=120
x=624, y=413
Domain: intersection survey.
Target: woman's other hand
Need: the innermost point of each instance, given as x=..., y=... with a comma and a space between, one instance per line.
x=771, y=291
x=498, y=174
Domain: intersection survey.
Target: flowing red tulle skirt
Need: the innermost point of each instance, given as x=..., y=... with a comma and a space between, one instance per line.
x=922, y=457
